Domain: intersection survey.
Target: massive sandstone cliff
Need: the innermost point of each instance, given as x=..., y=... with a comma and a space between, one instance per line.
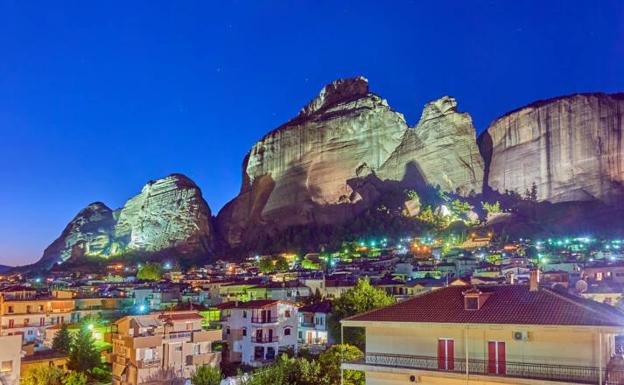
x=443, y=146
x=317, y=168
x=569, y=147
x=168, y=214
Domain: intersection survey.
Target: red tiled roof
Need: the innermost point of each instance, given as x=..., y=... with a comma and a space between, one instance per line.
x=182, y=316
x=507, y=304
x=247, y=305
x=320, y=307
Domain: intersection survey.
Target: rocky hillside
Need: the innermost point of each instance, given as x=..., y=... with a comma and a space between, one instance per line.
x=348, y=150
x=314, y=169
x=569, y=147
x=168, y=214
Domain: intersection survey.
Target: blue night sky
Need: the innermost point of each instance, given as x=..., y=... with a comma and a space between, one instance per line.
x=97, y=99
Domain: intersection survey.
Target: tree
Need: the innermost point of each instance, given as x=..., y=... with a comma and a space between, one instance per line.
x=75, y=378
x=206, y=375
x=363, y=297
x=266, y=265
x=331, y=359
x=150, y=272
x=62, y=340
x=491, y=208
x=83, y=355
x=42, y=375
x=281, y=264
x=287, y=371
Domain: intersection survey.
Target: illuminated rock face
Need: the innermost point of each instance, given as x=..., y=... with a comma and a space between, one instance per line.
x=168, y=214
x=314, y=168
x=88, y=233
x=570, y=147
x=443, y=146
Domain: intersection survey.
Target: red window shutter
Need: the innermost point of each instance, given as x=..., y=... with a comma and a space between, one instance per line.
x=441, y=354
x=501, y=358
x=491, y=357
x=450, y=354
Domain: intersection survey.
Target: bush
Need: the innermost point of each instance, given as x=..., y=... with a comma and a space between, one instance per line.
x=43, y=375
x=206, y=375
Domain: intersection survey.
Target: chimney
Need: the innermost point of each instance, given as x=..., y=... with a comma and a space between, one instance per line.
x=534, y=280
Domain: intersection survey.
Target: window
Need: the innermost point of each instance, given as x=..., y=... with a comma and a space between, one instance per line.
x=10, y=311
x=178, y=348
x=472, y=303
x=26, y=321
x=40, y=307
x=244, y=332
x=148, y=354
x=189, y=326
x=7, y=366
x=30, y=332
x=300, y=334
x=446, y=354
x=42, y=321
x=287, y=331
x=27, y=308
x=11, y=323
x=287, y=314
x=197, y=349
x=227, y=331
x=244, y=313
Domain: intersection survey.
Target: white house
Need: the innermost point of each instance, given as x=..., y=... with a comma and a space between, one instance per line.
x=256, y=331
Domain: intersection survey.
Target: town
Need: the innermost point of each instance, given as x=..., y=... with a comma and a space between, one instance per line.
x=433, y=310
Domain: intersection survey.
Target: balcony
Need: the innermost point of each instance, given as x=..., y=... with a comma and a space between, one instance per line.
x=264, y=340
x=207, y=336
x=142, y=341
x=533, y=371
x=264, y=320
x=178, y=335
x=210, y=359
x=145, y=364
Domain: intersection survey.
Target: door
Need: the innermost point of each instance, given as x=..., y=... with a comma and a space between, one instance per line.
x=309, y=337
x=259, y=335
x=496, y=357
x=270, y=335
x=446, y=354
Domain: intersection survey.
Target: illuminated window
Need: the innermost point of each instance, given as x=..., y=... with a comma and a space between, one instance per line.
x=6, y=366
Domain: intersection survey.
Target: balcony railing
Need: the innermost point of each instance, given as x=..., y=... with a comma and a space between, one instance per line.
x=263, y=320
x=152, y=363
x=536, y=371
x=264, y=340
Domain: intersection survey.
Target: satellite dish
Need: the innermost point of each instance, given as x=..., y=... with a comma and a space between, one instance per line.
x=581, y=286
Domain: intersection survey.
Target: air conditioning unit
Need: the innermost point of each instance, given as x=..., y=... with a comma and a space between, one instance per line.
x=521, y=336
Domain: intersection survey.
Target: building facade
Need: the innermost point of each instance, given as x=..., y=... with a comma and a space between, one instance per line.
x=512, y=334
x=146, y=346
x=256, y=331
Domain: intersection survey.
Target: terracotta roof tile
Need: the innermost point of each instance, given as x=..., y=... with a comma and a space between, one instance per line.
x=506, y=304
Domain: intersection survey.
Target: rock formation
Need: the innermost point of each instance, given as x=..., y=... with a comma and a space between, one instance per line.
x=569, y=147
x=88, y=233
x=443, y=145
x=317, y=168
x=168, y=214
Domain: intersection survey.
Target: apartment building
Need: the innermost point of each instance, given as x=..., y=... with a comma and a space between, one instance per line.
x=313, y=329
x=26, y=312
x=256, y=331
x=10, y=359
x=491, y=335
x=145, y=346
